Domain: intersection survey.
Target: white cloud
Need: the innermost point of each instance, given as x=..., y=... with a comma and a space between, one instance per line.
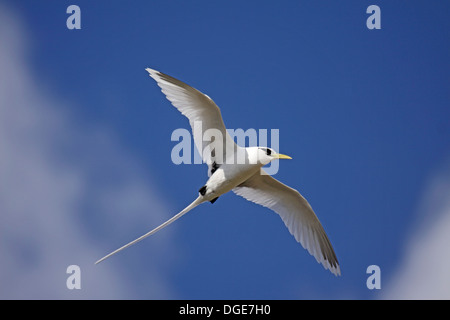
x=65, y=190
x=424, y=270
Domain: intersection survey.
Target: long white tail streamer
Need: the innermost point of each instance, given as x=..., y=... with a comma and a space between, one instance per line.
x=196, y=202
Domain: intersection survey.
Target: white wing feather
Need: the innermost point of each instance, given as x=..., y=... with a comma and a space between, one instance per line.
x=296, y=213
x=197, y=107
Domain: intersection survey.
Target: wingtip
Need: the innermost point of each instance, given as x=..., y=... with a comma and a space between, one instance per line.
x=151, y=71
x=336, y=270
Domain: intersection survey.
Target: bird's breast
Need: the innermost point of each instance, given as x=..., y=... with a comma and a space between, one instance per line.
x=229, y=176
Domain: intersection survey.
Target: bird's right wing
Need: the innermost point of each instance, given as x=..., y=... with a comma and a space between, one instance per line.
x=203, y=114
x=296, y=213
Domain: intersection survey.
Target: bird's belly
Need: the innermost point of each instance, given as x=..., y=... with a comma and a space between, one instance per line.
x=228, y=177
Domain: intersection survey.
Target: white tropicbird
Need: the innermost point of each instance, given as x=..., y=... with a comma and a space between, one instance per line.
x=246, y=179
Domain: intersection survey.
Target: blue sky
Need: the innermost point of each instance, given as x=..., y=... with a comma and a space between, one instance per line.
x=364, y=113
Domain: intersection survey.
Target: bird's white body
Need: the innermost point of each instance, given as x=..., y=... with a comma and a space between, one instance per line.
x=238, y=169
x=230, y=174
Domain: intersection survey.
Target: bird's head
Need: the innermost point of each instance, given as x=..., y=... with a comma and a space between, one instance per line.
x=265, y=155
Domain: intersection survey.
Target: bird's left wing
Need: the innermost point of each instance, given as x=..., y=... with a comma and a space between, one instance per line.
x=296, y=213
x=203, y=115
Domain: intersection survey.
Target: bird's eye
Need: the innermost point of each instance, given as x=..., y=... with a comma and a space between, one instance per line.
x=269, y=152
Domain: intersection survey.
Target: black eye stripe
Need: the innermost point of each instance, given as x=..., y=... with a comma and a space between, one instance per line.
x=268, y=151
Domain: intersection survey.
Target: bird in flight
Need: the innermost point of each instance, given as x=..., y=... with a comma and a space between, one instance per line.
x=239, y=169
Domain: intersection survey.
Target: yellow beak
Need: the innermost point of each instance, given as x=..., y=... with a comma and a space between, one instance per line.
x=283, y=156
